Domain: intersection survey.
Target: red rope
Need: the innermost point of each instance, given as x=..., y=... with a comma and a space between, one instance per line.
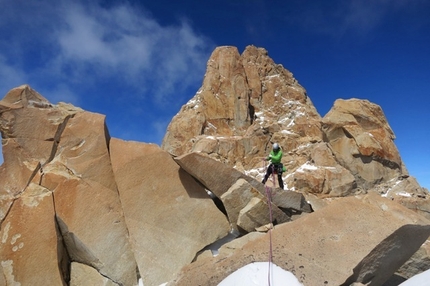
x=269, y=202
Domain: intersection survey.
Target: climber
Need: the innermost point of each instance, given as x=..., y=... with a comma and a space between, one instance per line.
x=276, y=166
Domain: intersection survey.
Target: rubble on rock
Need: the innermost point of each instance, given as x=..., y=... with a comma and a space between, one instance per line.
x=77, y=205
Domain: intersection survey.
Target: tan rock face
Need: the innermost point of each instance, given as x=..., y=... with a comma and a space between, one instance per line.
x=378, y=266
x=418, y=263
x=170, y=217
x=88, y=206
x=225, y=92
x=86, y=275
x=60, y=178
x=311, y=260
x=247, y=102
x=30, y=251
x=362, y=141
x=330, y=181
x=104, y=208
x=25, y=147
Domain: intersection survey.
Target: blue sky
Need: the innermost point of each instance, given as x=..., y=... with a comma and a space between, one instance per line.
x=138, y=62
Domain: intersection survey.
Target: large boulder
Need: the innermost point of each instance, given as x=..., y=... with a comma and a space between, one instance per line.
x=247, y=209
x=87, y=203
x=218, y=178
x=324, y=181
x=321, y=248
x=170, y=217
x=362, y=141
x=384, y=260
x=57, y=179
x=419, y=262
x=214, y=175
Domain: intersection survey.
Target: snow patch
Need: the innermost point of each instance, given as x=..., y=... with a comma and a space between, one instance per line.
x=259, y=116
x=421, y=279
x=300, y=113
x=287, y=119
x=397, y=182
x=404, y=194
x=210, y=125
x=257, y=273
x=306, y=166
x=272, y=76
x=303, y=146
x=287, y=132
x=222, y=137
x=330, y=168
x=255, y=173
x=193, y=103
x=214, y=247
x=5, y=232
x=283, y=120
x=295, y=87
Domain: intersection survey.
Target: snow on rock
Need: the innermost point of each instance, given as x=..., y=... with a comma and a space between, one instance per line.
x=257, y=273
x=306, y=166
x=404, y=194
x=422, y=279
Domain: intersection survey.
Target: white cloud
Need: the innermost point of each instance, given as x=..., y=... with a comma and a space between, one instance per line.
x=121, y=41
x=77, y=44
x=10, y=76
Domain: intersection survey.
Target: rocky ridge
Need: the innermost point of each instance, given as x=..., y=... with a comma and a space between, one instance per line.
x=247, y=102
x=77, y=205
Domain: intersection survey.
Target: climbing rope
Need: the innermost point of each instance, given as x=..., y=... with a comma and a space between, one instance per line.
x=269, y=202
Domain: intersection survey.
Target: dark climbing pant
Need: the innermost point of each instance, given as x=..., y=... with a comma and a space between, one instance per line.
x=276, y=168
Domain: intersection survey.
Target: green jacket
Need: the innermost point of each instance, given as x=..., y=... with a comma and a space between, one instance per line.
x=275, y=157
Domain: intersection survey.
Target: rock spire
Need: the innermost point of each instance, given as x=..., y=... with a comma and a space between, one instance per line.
x=247, y=102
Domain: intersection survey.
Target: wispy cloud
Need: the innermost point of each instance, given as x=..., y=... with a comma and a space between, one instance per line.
x=10, y=76
x=354, y=16
x=67, y=45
